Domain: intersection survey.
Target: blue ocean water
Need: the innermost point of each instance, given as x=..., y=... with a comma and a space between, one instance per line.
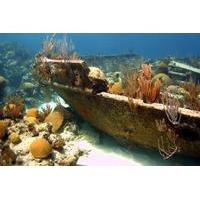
x=151, y=45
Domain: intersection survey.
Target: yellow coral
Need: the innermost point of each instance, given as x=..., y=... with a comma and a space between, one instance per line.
x=32, y=112
x=116, y=88
x=3, y=127
x=30, y=120
x=56, y=119
x=40, y=148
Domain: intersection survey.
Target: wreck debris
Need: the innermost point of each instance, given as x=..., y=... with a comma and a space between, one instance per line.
x=187, y=70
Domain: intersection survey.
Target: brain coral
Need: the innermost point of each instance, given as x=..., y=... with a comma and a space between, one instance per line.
x=56, y=118
x=40, y=148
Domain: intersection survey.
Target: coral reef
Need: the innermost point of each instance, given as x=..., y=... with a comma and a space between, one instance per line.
x=29, y=140
x=15, y=63
x=40, y=148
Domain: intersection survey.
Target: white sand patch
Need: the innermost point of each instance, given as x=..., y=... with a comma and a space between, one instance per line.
x=101, y=156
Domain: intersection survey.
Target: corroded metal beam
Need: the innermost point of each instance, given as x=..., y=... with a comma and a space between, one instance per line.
x=184, y=66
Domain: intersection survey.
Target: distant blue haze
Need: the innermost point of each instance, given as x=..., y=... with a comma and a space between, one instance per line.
x=146, y=44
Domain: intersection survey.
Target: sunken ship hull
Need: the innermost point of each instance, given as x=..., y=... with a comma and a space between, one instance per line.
x=132, y=122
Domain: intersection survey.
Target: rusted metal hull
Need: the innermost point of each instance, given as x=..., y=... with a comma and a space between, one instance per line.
x=135, y=124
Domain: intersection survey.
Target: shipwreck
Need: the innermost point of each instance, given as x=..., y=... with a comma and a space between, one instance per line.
x=130, y=121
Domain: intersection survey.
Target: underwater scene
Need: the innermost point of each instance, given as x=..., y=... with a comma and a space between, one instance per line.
x=91, y=99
